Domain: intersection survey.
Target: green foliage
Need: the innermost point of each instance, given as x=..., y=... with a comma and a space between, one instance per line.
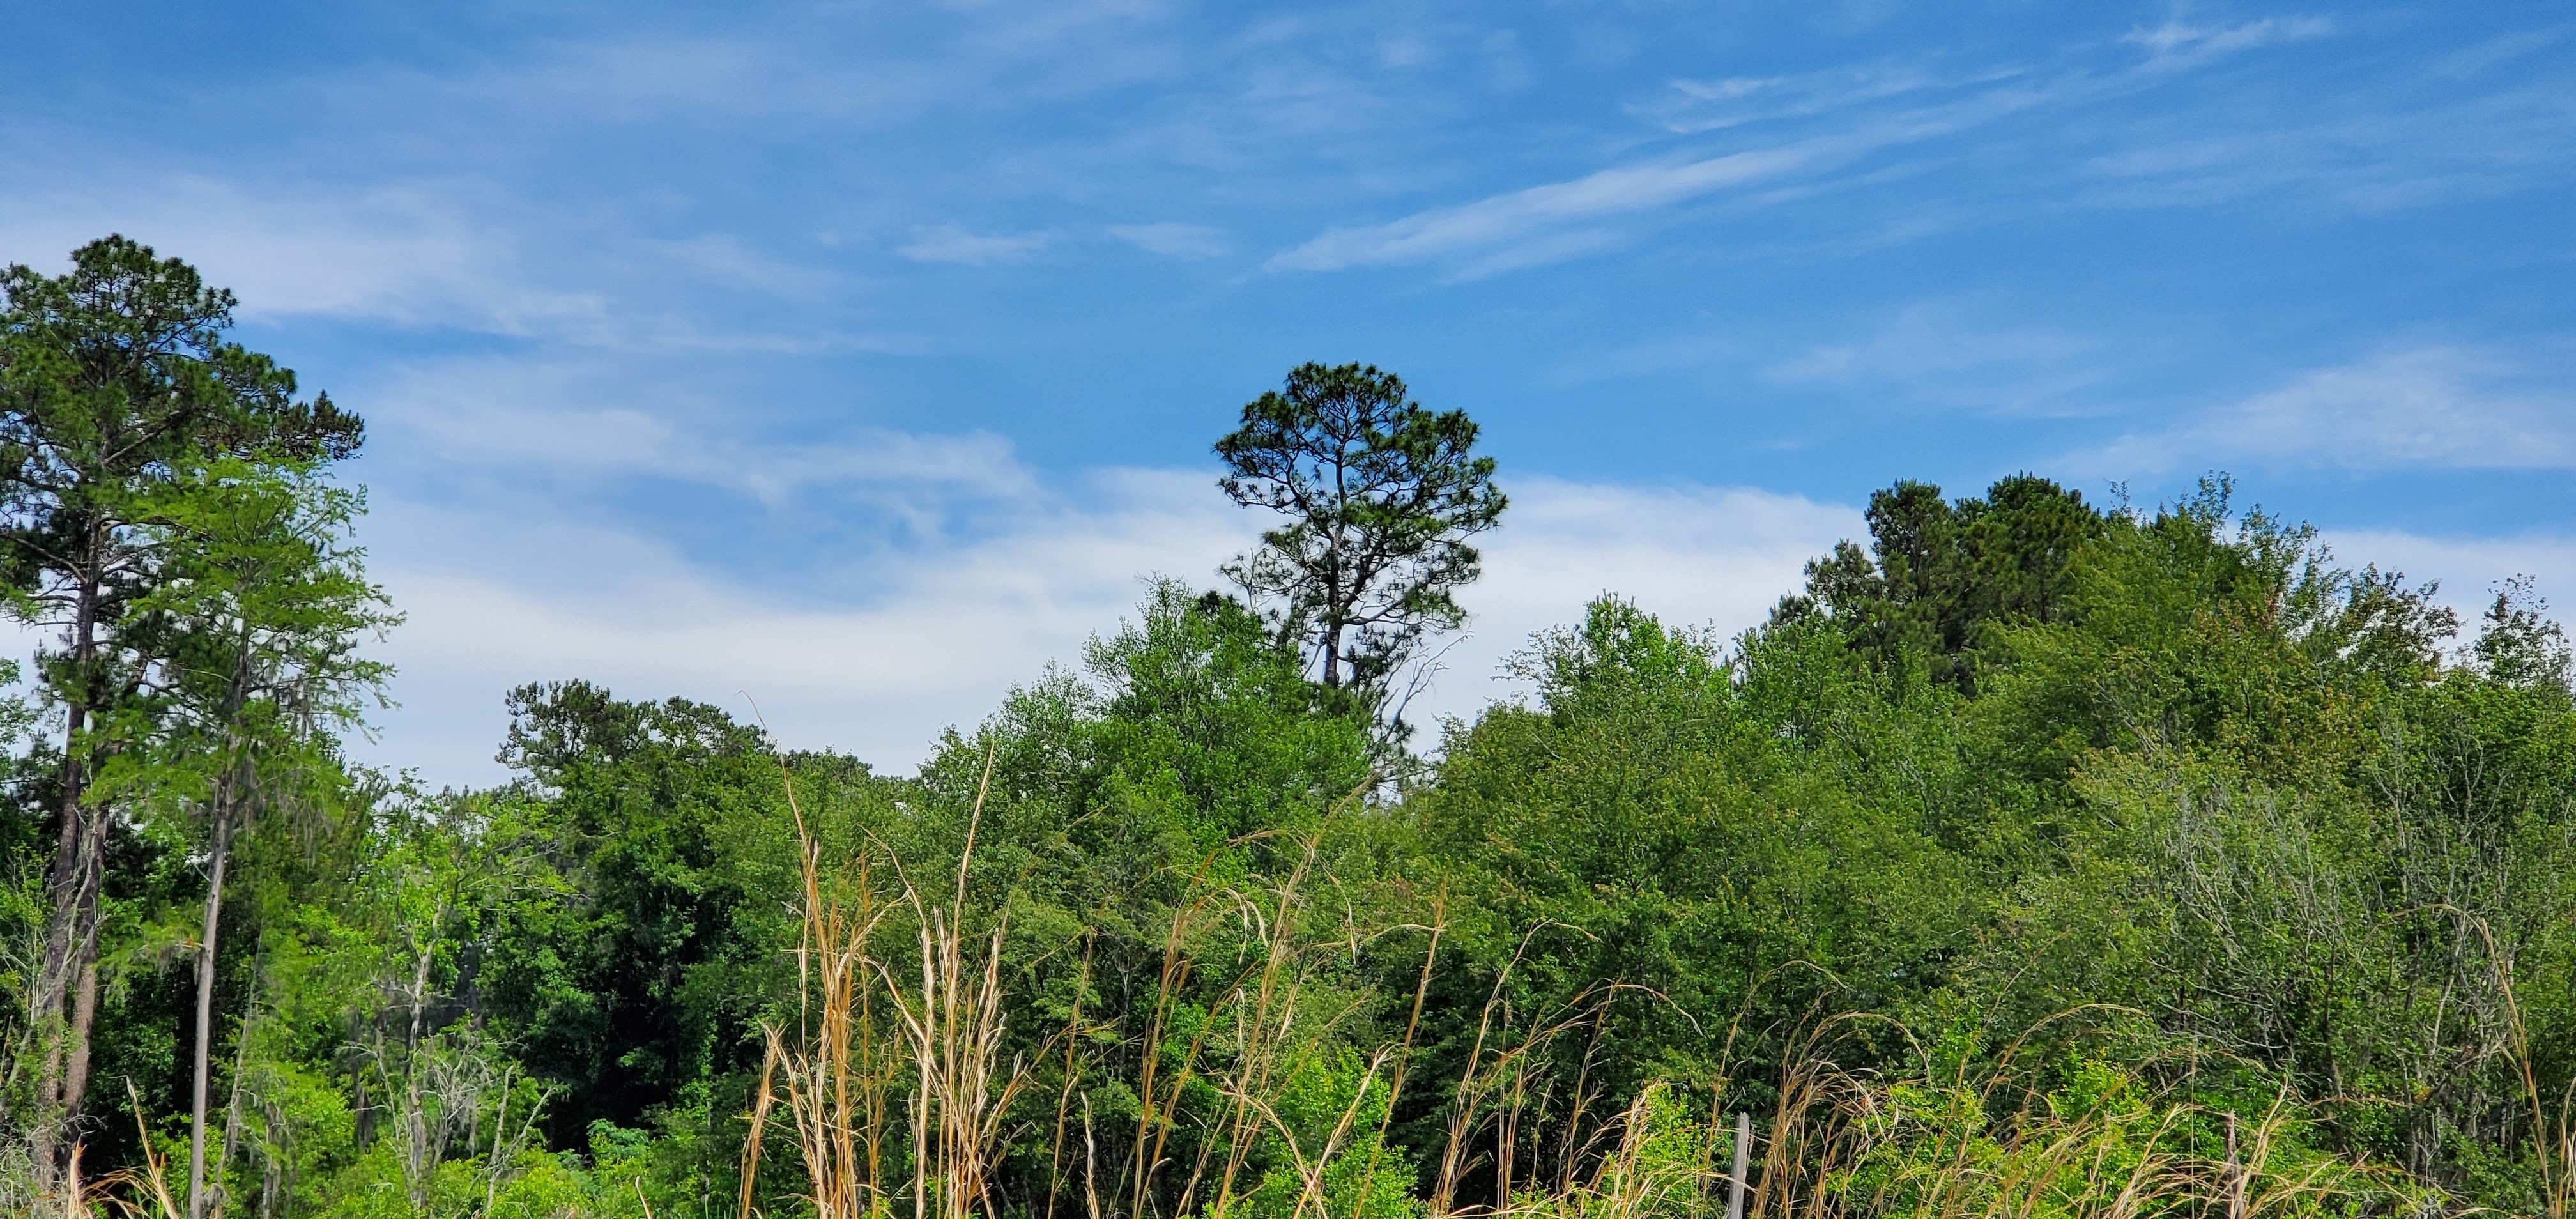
x=2105, y=1141
x=1662, y=1167
x=615, y=990
x=1326, y=1146
x=1649, y=856
x=1938, y=575
x=1134, y=813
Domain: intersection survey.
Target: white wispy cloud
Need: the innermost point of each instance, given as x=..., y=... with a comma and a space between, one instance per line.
x=1873, y=109
x=2451, y=407
x=1944, y=353
x=1695, y=106
x=1172, y=239
x=847, y=65
x=1611, y=207
x=2177, y=45
x=425, y=253
x=632, y=79
x=438, y=254
x=2470, y=61
x=1534, y=211
x=2364, y=160
x=952, y=244
x=594, y=419
x=722, y=258
x=1603, y=208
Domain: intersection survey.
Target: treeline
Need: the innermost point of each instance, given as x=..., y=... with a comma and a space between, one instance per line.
x=2039, y=857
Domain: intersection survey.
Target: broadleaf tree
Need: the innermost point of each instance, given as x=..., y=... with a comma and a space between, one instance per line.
x=1381, y=496
x=256, y=625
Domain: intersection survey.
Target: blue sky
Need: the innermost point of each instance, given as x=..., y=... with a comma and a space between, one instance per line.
x=861, y=358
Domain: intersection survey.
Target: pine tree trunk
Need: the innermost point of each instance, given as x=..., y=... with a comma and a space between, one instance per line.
x=231, y=789
x=68, y=979
x=62, y=951
x=76, y=1069
x=241, y=1058
x=70, y=970
x=206, y=1005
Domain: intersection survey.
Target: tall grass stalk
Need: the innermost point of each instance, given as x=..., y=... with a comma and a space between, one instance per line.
x=860, y=1031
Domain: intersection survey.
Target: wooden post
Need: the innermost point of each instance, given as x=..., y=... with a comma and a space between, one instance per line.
x=1743, y=1164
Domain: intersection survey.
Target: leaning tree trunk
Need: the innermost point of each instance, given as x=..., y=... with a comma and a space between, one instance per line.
x=223, y=809
x=232, y=787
